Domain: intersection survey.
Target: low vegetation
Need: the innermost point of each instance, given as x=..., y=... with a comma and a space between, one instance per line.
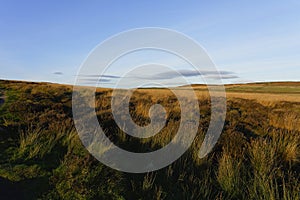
x=257, y=156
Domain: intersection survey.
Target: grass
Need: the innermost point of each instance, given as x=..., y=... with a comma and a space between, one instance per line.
x=257, y=156
x=228, y=174
x=265, y=89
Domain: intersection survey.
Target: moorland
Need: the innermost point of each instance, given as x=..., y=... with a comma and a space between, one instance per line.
x=256, y=157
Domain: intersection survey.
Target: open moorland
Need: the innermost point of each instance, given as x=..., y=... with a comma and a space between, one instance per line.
x=256, y=157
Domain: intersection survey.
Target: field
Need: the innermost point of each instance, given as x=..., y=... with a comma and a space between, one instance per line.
x=257, y=156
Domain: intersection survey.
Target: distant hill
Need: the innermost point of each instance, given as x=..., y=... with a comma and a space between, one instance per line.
x=256, y=87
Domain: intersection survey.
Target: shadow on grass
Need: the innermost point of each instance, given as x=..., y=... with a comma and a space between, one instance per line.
x=25, y=189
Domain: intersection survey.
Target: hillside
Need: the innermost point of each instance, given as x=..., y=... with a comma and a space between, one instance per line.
x=257, y=156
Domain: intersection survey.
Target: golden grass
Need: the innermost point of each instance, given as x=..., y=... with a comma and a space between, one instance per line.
x=288, y=120
x=263, y=98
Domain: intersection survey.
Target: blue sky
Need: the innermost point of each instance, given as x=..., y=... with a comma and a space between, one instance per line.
x=255, y=40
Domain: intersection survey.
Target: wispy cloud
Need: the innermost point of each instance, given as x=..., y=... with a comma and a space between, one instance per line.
x=96, y=80
x=99, y=76
x=58, y=73
x=93, y=78
x=223, y=76
x=189, y=73
x=162, y=76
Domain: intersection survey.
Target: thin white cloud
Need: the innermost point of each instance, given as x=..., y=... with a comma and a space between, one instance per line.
x=188, y=73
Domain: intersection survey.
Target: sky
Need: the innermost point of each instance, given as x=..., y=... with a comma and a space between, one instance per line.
x=249, y=41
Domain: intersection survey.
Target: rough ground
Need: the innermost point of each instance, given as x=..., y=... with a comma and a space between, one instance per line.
x=2, y=97
x=1, y=100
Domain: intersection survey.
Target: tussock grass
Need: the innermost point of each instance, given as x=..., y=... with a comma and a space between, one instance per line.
x=36, y=143
x=228, y=174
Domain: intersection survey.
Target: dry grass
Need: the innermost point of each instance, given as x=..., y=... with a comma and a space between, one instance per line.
x=288, y=120
x=264, y=99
